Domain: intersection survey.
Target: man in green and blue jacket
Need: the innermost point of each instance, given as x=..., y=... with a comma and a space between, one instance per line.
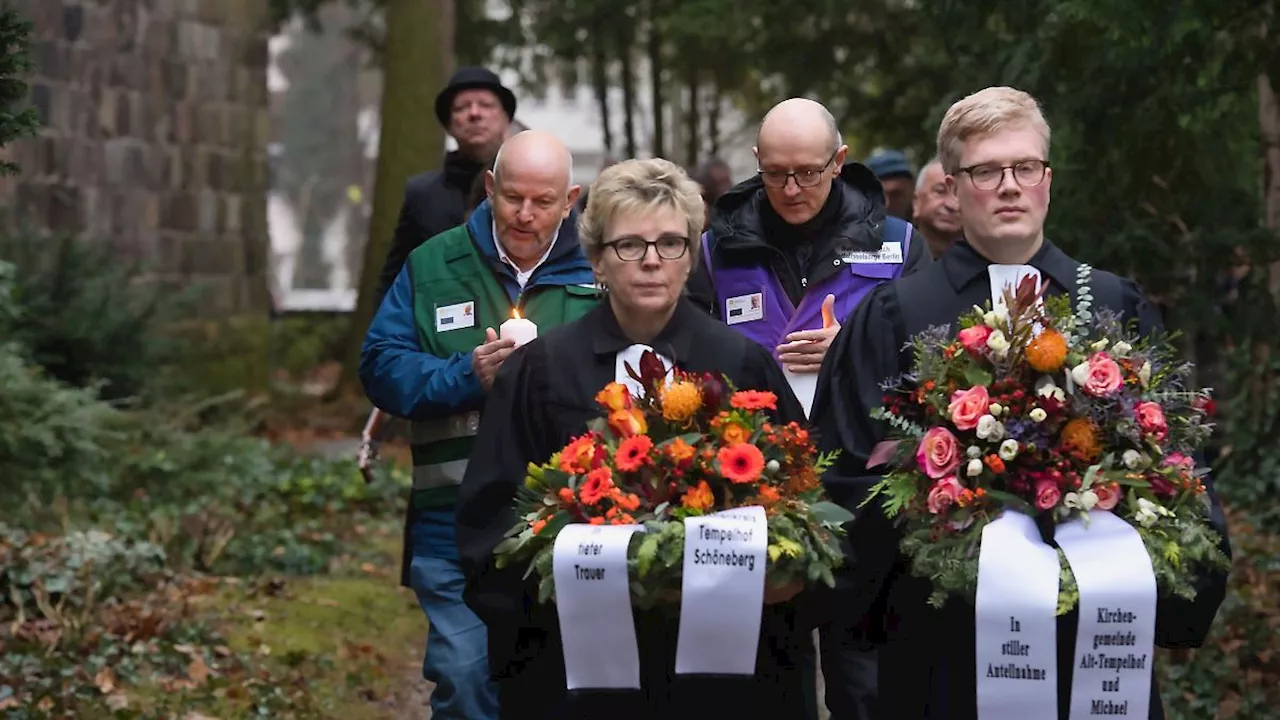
x=431, y=355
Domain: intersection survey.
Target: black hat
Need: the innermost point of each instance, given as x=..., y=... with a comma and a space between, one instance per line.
x=468, y=78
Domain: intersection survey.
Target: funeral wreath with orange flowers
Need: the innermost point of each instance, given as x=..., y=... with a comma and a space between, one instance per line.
x=687, y=445
x=1041, y=408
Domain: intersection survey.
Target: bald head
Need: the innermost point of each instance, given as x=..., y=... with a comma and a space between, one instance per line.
x=536, y=155
x=531, y=192
x=798, y=120
x=799, y=153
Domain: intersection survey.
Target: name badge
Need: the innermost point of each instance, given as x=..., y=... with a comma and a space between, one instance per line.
x=744, y=308
x=890, y=253
x=456, y=317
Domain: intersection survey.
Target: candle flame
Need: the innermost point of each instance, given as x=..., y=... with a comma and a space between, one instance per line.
x=515, y=313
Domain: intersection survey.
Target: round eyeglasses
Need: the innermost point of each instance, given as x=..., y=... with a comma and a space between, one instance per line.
x=1028, y=173
x=633, y=249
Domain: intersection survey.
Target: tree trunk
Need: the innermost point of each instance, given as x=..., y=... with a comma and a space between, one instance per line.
x=417, y=60
x=693, y=122
x=626, y=67
x=600, y=83
x=713, y=118
x=1269, y=124
x=655, y=80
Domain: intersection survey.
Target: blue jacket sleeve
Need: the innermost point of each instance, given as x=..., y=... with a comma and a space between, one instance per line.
x=399, y=377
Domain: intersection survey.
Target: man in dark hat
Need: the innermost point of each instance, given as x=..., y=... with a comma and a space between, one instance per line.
x=476, y=110
x=899, y=182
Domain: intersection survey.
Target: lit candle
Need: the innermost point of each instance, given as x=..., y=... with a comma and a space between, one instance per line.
x=522, y=330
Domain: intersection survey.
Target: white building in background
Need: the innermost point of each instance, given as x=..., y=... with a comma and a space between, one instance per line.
x=571, y=115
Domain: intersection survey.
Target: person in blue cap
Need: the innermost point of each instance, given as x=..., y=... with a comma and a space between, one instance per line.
x=898, y=179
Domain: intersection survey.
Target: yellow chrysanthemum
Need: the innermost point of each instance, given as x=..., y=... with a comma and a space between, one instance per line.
x=680, y=400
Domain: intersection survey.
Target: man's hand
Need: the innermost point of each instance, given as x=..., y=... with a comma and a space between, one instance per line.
x=487, y=358
x=804, y=350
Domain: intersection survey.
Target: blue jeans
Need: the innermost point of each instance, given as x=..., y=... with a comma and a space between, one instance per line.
x=457, y=657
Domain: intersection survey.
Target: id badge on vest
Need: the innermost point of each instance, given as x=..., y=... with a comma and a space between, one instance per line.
x=456, y=316
x=744, y=308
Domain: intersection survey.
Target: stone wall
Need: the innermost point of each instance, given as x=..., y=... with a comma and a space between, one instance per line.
x=154, y=138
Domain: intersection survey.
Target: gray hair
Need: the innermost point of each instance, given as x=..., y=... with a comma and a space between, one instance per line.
x=920, y=176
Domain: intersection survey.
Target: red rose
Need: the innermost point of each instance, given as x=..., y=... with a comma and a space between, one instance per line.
x=1151, y=419
x=974, y=339
x=1047, y=494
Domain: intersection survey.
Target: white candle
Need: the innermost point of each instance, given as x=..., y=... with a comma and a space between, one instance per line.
x=522, y=330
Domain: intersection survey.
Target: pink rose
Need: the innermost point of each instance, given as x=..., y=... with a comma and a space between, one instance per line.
x=1047, y=494
x=1151, y=419
x=1179, y=460
x=944, y=494
x=974, y=339
x=1104, y=376
x=967, y=406
x=939, y=453
x=1108, y=496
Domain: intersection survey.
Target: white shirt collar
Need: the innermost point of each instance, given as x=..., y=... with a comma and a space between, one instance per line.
x=522, y=277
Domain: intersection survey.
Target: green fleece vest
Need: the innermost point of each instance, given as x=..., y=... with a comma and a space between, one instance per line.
x=455, y=297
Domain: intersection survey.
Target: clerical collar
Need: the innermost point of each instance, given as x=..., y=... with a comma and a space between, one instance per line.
x=522, y=277
x=963, y=264
x=674, y=341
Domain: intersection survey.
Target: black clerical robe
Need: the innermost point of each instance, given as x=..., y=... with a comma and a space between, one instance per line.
x=927, y=668
x=542, y=398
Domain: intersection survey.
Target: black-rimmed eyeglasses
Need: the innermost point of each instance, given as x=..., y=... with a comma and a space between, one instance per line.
x=633, y=249
x=803, y=178
x=1028, y=173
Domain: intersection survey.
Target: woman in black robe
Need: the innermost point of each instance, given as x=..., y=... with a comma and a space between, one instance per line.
x=928, y=658
x=640, y=231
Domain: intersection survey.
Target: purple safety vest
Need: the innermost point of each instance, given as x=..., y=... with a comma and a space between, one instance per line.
x=753, y=302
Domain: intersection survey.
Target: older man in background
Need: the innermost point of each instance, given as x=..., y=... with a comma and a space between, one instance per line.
x=935, y=210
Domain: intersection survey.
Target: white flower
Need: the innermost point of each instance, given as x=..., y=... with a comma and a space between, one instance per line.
x=1038, y=415
x=1132, y=459
x=1071, y=501
x=1088, y=499
x=772, y=466
x=1009, y=449
x=1149, y=512
x=974, y=468
x=1080, y=373
x=1100, y=345
x=998, y=343
x=1046, y=388
x=995, y=409
x=1121, y=349
x=996, y=318
x=1144, y=373
x=989, y=428
x=974, y=451
x=1145, y=517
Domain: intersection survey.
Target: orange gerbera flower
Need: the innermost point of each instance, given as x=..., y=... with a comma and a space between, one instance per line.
x=614, y=396
x=681, y=400
x=698, y=498
x=1047, y=351
x=633, y=453
x=754, y=400
x=578, y=456
x=679, y=450
x=628, y=423
x=597, y=487
x=741, y=463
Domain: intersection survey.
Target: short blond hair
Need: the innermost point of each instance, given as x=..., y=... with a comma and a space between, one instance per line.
x=639, y=186
x=984, y=113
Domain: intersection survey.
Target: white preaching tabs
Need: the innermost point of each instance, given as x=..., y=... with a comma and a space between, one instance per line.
x=804, y=385
x=722, y=593
x=1008, y=277
x=1115, y=642
x=1016, y=628
x=631, y=356
x=593, y=601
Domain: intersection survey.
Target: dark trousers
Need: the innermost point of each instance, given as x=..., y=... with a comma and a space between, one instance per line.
x=849, y=673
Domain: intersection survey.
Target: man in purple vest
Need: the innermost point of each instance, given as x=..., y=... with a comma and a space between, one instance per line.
x=789, y=253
